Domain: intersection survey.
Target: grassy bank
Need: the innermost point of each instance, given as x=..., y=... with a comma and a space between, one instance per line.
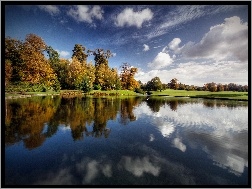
x=230, y=95
x=203, y=94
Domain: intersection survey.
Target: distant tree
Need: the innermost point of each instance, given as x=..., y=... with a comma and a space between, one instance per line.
x=154, y=84
x=174, y=84
x=212, y=87
x=220, y=87
x=181, y=86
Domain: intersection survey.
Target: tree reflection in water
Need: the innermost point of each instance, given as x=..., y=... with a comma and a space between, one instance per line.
x=32, y=120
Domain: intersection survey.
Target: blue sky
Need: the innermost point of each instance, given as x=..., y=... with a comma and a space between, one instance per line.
x=194, y=43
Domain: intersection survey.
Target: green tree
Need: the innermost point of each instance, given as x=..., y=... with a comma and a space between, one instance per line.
x=79, y=53
x=154, y=84
x=12, y=55
x=174, y=84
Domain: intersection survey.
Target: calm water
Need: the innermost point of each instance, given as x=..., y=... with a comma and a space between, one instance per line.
x=134, y=141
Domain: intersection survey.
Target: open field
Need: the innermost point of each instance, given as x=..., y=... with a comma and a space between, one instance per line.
x=203, y=94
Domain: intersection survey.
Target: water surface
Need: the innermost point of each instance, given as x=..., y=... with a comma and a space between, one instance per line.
x=132, y=141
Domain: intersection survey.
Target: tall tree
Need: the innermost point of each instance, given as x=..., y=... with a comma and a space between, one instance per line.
x=12, y=55
x=35, y=68
x=102, y=69
x=127, y=77
x=79, y=53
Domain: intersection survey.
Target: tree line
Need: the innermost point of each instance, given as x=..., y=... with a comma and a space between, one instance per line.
x=34, y=66
x=155, y=84
x=26, y=65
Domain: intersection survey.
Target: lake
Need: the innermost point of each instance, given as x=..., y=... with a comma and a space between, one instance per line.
x=125, y=141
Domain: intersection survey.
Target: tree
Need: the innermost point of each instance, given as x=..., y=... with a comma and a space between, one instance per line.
x=212, y=87
x=101, y=67
x=12, y=55
x=154, y=84
x=100, y=56
x=8, y=71
x=75, y=74
x=220, y=87
x=174, y=84
x=35, y=68
x=79, y=54
x=127, y=77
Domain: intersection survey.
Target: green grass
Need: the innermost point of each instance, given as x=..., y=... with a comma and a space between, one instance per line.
x=113, y=92
x=168, y=92
x=203, y=94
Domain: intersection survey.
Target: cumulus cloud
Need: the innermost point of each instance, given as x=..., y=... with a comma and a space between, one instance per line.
x=51, y=9
x=194, y=73
x=84, y=13
x=138, y=166
x=228, y=41
x=162, y=60
x=146, y=47
x=227, y=143
x=91, y=169
x=130, y=18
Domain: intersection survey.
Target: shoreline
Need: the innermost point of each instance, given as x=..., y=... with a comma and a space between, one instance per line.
x=17, y=95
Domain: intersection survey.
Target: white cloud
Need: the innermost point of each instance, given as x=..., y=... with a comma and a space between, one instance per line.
x=51, y=9
x=146, y=47
x=162, y=60
x=63, y=53
x=228, y=41
x=130, y=18
x=228, y=132
x=174, y=44
x=84, y=13
x=193, y=73
x=178, y=144
x=187, y=13
x=91, y=169
x=139, y=166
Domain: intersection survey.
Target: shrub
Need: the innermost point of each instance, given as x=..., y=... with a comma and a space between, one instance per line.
x=139, y=90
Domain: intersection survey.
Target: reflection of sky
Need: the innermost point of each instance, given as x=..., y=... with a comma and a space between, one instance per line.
x=145, y=156
x=218, y=131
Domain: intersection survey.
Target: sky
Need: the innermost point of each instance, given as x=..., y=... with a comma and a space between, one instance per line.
x=196, y=44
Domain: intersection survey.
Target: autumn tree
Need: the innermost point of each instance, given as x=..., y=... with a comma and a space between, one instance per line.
x=80, y=76
x=105, y=78
x=36, y=69
x=8, y=71
x=127, y=77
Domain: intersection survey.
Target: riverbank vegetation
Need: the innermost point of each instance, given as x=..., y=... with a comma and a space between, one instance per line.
x=34, y=68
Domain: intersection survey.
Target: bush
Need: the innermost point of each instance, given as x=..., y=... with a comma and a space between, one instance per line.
x=149, y=92
x=139, y=90
x=97, y=87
